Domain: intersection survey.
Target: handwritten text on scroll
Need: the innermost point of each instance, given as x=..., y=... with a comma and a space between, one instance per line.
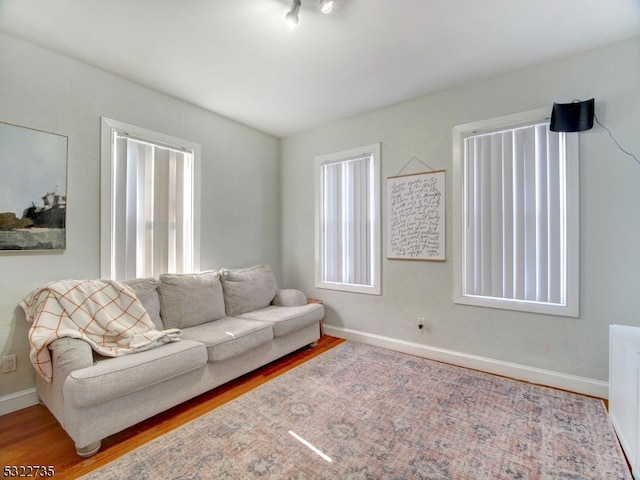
x=416, y=216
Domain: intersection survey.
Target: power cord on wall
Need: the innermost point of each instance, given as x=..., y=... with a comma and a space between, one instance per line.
x=615, y=141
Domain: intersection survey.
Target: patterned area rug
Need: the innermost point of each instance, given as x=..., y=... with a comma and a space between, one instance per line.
x=362, y=412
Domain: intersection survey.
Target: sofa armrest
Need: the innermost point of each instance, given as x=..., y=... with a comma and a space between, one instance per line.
x=69, y=354
x=289, y=297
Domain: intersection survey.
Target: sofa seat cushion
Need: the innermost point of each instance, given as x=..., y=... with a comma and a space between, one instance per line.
x=230, y=336
x=286, y=320
x=111, y=378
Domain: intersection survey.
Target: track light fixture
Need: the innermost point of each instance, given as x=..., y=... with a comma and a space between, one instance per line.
x=326, y=6
x=291, y=17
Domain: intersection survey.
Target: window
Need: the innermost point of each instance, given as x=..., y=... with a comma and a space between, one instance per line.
x=516, y=207
x=348, y=220
x=150, y=203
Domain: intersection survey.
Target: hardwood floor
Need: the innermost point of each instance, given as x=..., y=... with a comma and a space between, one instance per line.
x=32, y=436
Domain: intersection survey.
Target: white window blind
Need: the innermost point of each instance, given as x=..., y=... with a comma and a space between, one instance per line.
x=519, y=191
x=152, y=207
x=347, y=233
x=348, y=222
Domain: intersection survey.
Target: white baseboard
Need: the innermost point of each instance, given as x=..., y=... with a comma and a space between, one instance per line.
x=572, y=383
x=18, y=401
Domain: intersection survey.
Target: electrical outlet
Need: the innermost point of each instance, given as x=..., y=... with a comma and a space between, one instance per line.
x=424, y=324
x=9, y=363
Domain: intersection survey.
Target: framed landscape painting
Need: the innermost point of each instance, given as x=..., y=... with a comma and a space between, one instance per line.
x=33, y=184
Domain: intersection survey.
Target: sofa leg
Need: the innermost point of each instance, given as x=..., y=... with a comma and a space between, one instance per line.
x=313, y=344
x=89, y=450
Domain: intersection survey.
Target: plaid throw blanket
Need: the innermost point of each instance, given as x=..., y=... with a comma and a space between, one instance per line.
x=104, y=313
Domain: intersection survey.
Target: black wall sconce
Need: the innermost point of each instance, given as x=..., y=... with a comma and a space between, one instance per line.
x=578, y=116
x=572, y=117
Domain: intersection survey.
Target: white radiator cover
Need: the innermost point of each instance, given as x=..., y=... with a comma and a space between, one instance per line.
x=624, y=390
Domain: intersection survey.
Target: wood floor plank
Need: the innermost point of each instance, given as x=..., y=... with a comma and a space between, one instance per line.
x=32, y=436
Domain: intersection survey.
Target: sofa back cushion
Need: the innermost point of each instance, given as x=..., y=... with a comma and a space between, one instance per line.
x=248, y=289
x=146, y=289
x=189, y=299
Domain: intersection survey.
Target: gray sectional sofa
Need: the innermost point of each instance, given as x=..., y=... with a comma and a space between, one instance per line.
x=232, y=322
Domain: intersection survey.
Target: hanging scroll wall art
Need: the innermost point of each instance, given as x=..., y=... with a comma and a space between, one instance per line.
x=416, y=216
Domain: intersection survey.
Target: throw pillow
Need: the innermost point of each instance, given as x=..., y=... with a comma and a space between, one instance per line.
x=248, y=289
x=189, y=299
x=146, y=289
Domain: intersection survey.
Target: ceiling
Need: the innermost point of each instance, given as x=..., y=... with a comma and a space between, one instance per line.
x=239, y=59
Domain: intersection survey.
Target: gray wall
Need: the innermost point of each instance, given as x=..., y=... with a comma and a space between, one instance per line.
x=240, y=176
x=258, y=201
x=610, y=222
